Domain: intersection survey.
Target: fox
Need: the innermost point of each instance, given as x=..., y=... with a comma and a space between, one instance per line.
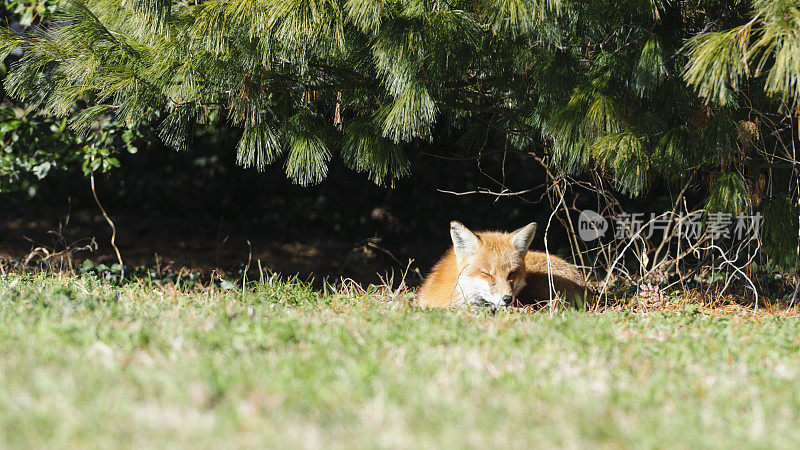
x=496, y=269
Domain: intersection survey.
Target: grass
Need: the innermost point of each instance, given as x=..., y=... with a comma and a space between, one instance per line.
x=85, y=364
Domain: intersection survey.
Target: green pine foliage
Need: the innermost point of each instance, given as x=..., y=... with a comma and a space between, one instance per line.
x=729, y=194
x=401, y=71
x=728, y=68
x=781, y=217
x=365, y=150
x=588, y=85
x=308, y=152
x=766, y=47
x=567, y=72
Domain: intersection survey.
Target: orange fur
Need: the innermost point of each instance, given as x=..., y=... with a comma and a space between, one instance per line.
x=504, y=268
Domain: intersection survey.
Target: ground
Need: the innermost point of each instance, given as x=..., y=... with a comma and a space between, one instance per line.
x=205, y=245
x=279, y=364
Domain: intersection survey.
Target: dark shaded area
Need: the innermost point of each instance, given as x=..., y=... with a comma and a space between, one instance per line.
x=198, y=209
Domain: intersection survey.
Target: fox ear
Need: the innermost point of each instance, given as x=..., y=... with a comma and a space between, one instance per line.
x=521, y=239
x=465, y=242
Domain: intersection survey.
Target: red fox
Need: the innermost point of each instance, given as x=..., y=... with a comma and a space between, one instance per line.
x=493, y=269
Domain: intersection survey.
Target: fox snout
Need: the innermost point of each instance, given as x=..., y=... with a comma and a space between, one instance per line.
x=483, y=303
x=503, y=301
x=480, y=301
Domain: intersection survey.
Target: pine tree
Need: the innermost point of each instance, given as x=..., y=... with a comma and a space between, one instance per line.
x=729, y=68
x=307, y=80
x=589, y=85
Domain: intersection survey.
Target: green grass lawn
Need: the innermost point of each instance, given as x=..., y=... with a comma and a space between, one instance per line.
x=85, y=364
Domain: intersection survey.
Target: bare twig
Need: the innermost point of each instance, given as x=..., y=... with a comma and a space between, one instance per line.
x=110, y=223
x=502, y=193
x=550, y=283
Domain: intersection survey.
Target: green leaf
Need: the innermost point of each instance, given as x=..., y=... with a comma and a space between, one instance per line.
x=41, y=170
x=87, y=265
x=10, y=125
x=109, y=163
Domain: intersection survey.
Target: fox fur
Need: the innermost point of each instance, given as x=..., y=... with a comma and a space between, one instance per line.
x=496, y=269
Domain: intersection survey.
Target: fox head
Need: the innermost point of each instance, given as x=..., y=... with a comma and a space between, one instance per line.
x=491, y=265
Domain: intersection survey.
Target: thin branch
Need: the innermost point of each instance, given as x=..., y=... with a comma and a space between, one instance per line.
x=110, y=223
